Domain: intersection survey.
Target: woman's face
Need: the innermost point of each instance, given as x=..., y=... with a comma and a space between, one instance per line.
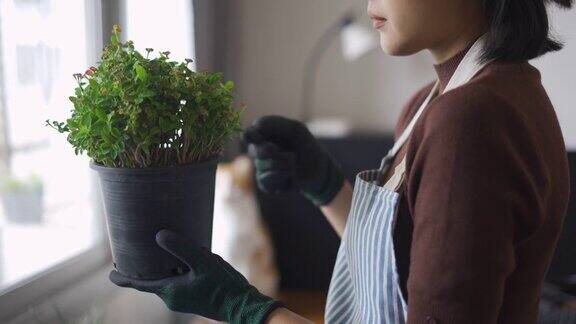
x=409, y=26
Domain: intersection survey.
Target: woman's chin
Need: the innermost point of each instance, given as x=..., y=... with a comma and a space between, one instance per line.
x=394, y=46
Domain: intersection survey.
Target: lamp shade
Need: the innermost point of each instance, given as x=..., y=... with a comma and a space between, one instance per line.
x=356, y=41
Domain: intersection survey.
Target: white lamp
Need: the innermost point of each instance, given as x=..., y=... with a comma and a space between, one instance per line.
x=356, y=42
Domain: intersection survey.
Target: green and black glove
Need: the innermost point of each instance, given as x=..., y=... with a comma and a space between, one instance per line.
x=287, y=157
x=213, y=288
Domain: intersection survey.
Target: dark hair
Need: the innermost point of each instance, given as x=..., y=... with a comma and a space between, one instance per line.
x=519, y=29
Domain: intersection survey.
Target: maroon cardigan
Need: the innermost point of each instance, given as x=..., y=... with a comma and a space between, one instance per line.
x=484, y=197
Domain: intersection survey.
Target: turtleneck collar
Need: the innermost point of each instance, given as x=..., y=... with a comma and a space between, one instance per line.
x=446, y=69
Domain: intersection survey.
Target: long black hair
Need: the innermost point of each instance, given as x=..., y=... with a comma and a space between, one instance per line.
x=519, y=29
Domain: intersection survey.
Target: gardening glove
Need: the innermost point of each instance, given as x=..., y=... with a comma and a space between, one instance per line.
x=212, y=288
x=287, y=157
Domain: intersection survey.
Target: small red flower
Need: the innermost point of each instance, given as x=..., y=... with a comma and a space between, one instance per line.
x=89, y=72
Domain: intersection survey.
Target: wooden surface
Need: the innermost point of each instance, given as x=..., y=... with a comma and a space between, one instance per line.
x=309, y=304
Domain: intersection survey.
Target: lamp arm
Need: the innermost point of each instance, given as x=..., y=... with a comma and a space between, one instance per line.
x=312, y=65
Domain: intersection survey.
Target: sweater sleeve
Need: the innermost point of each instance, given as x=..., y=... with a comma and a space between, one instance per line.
x=473, y=177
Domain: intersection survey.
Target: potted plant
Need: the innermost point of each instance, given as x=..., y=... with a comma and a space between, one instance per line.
x=154, y=130
x=22, y=199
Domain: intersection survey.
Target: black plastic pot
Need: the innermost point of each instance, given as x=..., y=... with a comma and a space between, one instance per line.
x=140, y=202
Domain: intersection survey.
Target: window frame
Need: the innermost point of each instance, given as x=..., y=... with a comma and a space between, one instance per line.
x=35, y=290
x=18, y=298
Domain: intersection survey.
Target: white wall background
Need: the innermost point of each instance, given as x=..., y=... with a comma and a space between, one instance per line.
x=267, y=43
x=558, y=73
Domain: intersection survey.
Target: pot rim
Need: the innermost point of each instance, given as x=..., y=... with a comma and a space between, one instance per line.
x=99, y=167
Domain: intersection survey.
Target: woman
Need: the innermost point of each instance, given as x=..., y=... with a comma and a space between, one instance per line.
x=460, y=222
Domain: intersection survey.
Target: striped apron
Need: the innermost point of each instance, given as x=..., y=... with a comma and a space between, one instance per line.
x=364, y=286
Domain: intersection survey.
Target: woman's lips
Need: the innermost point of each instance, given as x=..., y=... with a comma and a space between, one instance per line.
x=378, y=22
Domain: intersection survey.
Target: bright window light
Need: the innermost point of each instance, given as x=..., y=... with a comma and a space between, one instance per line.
x=161, y=27
x=48, y=209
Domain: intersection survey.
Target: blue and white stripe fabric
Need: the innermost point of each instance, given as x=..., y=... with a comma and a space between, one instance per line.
x=364, y=286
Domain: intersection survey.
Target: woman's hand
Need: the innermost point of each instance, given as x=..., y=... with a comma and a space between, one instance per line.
x=212, y=288
x=288, y=157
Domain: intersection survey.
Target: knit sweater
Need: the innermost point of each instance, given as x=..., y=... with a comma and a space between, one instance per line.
x=483, y=200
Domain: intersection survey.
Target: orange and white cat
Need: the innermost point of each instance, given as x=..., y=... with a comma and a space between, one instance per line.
x=239, y=235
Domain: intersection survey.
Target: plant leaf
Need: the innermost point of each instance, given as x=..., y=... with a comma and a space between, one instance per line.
x=141, y=73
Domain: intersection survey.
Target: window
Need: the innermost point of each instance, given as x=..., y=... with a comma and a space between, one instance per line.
x=161, y=27
x=50, y=207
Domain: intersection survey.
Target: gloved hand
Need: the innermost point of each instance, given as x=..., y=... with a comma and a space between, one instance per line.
x=287, y=157
x=212, y=288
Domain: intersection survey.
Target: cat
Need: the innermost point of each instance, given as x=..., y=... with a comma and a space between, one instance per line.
x=239, y=235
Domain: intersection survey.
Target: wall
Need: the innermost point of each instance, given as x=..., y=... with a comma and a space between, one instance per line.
x=558, y=73
x=267, y=42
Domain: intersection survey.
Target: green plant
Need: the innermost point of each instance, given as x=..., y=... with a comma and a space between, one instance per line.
x=134, y=111
x=15, y=184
